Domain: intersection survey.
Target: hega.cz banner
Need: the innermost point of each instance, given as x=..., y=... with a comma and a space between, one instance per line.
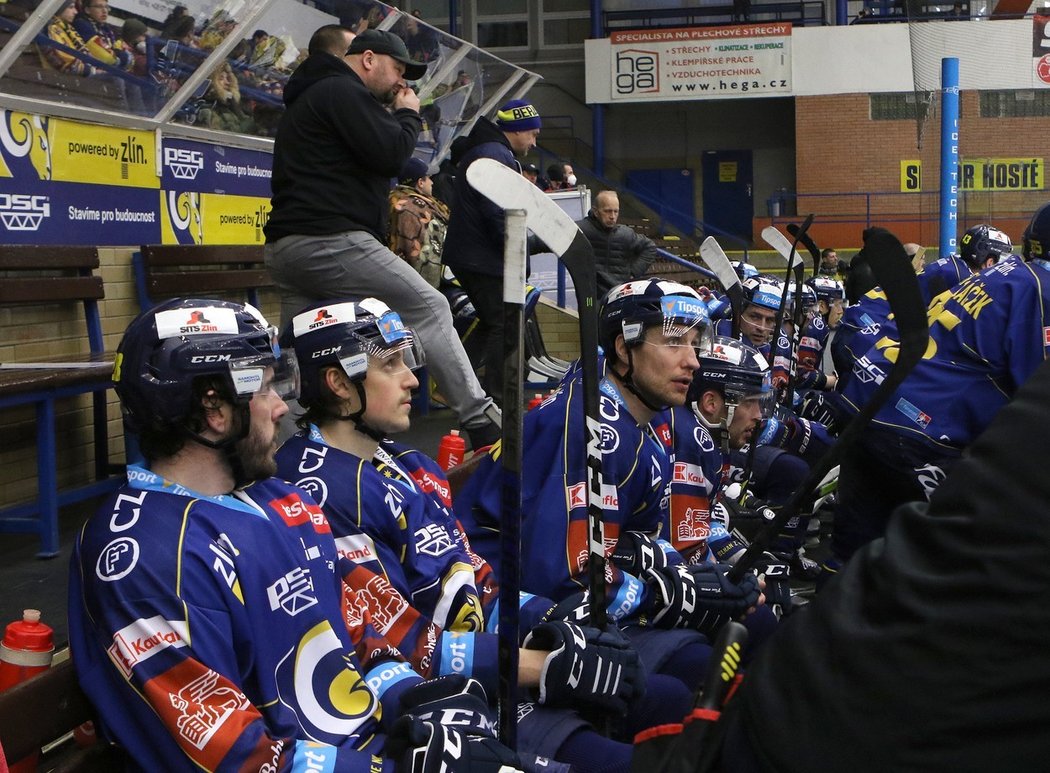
x=701, y=62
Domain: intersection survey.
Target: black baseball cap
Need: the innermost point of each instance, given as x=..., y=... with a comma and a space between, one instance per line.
x=383, y=42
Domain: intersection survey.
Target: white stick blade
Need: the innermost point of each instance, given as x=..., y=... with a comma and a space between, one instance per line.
x=780, y=243
x=716, y=259
x=509, y=190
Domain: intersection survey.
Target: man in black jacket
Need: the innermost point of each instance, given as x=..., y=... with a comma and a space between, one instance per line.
x=474, y=244
x=620, y=253
x=351, y=123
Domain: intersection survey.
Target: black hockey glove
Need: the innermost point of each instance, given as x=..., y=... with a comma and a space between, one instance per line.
x=573, y=609
x=447, y=728
x=745, y=516
x=585, y=665
x=635, y=552
x=817, y=407
x=777, y=575
x=699, y=597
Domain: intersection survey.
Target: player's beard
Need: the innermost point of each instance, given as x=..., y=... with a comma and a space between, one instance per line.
x=256, y=453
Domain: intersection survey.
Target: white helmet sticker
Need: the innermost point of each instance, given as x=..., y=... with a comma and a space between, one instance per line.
x=199, y=320
x=315, y=319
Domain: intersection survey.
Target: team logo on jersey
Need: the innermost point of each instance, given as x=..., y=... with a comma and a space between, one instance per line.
x=316, y=488
x=433, y=540
x=610, y=439
x=577, y=495
x=921, y=418
x=293, y=593
x=866, y=371
x=117, y=559
x=703, y=439
x=144, y=638
x=294, y=511
x=663, y=434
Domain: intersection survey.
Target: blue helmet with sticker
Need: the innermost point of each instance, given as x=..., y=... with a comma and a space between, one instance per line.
x=826, y=289
x=735, y=368
x=632, y=308
x=982, y=242
x=743, y=269
x=344, y=334
x=1036, y=237
x=166, y=349
x=764, y=290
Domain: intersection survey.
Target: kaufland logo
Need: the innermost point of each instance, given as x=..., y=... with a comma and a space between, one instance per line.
x=184, y=164
x=23, y=212
x=143, y=639
x=688, y=473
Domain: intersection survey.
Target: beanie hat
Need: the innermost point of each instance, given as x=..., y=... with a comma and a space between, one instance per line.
x=413, y=169
x=518, y=116
x=132, y=28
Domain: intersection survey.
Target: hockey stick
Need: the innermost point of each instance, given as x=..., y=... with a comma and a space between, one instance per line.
x=806, y=241
x=508, y=189
x=894, y=272
x=667, y=751
x=716, y=259
x=787, y=249
x=511, y=454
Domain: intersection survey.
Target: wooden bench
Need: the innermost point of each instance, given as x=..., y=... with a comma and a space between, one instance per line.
x=55, y=275
x=42, y=712
x=199, y=270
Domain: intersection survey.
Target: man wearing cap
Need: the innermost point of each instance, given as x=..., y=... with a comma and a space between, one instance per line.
x=474, y=245
x=350, y=124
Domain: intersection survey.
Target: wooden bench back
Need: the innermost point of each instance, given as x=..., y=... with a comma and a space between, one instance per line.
x=188, y=270
x=54, y=274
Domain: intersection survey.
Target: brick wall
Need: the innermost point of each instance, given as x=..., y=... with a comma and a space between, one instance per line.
x=840, y=149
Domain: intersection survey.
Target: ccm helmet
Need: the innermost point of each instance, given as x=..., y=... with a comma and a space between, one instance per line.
x=167, y=348
x=743, y=269
x=1036, y=239
x=344, y=334
x=982, y=242
x=632, y=308
x=764, y=290
x=737, y=371
x=826, y=289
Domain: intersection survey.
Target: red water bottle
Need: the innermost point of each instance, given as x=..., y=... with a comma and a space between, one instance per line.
x=451, y=450
x=536, y=400
x=25, y=651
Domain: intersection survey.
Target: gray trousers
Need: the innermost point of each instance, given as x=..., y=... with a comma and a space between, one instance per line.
x=353, y=263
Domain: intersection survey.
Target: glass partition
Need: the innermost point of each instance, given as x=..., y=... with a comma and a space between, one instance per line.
x=222, y=66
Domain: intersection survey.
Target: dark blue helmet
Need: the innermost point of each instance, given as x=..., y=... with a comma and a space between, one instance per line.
x=743, y=270
x=982, y=242
x=165, y=349
x=630, y=309
x=826, y=289
x=1036, y=238
x=736, y=369
x=764, y=290
x=345, y=333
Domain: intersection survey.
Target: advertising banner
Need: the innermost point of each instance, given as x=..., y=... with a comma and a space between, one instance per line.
x=1041, y=52
x=984, y=174
x=702, y=62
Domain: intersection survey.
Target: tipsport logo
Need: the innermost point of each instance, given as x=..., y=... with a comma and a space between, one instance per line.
x=183, y=163
x=636, y=72
x=23, y=212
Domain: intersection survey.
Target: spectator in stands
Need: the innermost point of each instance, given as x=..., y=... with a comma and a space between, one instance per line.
x=531, y=172
x=180, y=29
x=620, y=254
x=267, y=52
x=217, y=29
x=225, y=111
x=829, y=262
x=61, y=30
x=103, y=43
x=560, y=176
x=178, y=12
x=418, y=221
x=420, y=39
x=474, y=248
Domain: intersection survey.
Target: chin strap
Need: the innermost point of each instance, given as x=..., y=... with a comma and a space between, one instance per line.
x=358, y=417
x=628, y=383
x=720, y=430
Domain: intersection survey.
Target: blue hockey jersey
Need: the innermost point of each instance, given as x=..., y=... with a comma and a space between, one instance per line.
x=554, y=502
x=986, y=337
x=207, y=631
x=941, y=275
